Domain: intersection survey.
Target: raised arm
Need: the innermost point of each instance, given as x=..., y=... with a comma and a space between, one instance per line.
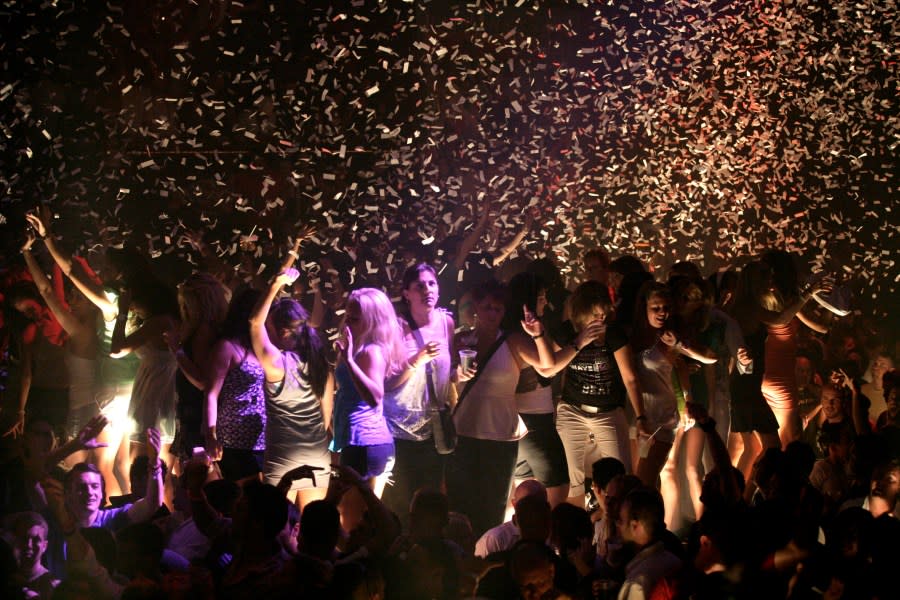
x=85, y=440
x=91, y=291
x=722, y=460
x=268, y=354
x=72, y=325
x=536, y=352
x=789, y=312
x=811, y=323
x=504, y=251
x=153, y=328
x=469, y=242
x=146, y=507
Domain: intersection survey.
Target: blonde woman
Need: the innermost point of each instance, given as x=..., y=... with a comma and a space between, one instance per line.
x=370, y=349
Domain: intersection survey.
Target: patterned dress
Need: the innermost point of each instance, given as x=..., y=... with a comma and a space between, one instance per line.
x=242, y=407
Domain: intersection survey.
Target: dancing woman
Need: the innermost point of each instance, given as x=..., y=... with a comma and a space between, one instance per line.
x=778, y=307
x=370, y=350
x=203, y=303
x=235, y=405
x=299, y=391
x=79, y=318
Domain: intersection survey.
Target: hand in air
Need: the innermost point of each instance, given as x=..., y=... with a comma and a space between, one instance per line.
x=87, y=437
x=29, y=241
x=344, y=343
x=531, y=324
x=37, y=224
x=287, y=277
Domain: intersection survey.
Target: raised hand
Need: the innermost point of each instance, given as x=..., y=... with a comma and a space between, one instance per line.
x=37, y=224
x=743, y=356
x=53, y=493
x=29, y=240
x=196, y=471
x=287, y=277
x=344, y=343
x=591, y=332
x=531, y=324
x=87, y=437
x=296, y=474
x=154, y=444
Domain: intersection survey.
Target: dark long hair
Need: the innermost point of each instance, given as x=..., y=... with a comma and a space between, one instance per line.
x=523, y=290
x=155, y=297
x=236, y=326
x=309, y=345
x=643, y=335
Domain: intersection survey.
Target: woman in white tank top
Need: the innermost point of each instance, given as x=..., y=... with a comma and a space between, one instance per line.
x=480, y=471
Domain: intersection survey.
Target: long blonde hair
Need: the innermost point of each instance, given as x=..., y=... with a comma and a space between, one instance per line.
x=379, y=326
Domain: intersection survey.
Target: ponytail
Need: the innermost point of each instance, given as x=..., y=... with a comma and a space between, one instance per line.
x=309, y=349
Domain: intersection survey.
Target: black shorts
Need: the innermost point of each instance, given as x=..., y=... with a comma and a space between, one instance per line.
x=749, y=410
x=541, y=453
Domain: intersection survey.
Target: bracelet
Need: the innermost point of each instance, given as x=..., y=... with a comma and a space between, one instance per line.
x=641, y=418
x=538, y=336
x=574, y=345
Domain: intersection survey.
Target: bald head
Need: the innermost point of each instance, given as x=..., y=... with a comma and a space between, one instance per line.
x=529, y=487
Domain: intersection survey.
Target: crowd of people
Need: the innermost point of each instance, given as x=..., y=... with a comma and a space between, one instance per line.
x=626, y=434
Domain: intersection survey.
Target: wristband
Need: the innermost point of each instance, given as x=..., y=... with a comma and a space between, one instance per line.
x=574, y=345
x=641, y=418
x=538, y=336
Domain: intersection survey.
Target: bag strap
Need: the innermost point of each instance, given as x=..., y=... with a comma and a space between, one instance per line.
x=481, y=365
x=429, y=378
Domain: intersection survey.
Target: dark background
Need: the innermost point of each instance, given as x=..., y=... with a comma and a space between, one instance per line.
x=701, y=130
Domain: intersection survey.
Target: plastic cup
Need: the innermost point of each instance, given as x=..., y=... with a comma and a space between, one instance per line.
x=467, y=358
x=644, y=446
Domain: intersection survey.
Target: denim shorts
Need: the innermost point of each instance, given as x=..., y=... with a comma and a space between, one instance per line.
x=369, y=461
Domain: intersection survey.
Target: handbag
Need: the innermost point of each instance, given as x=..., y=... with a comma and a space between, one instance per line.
x=469, y=384
x=443, y=431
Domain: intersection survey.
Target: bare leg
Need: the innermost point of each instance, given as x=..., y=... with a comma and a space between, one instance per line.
x=308, y=495
x=378, y=483
x=650, y=467
x=748, y=455
x=668, y=480
x=768, y=440
x=557, y=494
x=735, y=447
x=122, y=463
x=694, y=440
x=788, y=424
